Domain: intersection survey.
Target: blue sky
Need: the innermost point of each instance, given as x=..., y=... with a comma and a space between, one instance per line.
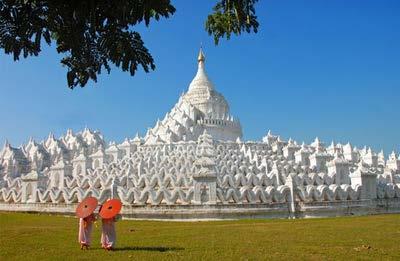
x=316, y=68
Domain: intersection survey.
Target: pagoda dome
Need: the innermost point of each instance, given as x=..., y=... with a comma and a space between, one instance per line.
x=203, y=96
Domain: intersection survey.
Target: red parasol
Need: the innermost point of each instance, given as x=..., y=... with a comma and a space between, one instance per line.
x=86, y=207
x=110, y=209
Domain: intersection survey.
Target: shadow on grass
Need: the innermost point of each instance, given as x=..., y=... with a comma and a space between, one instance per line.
x=151, y=249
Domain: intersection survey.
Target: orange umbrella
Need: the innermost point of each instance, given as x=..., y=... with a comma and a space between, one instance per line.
x=86, y=207
x=110, y=209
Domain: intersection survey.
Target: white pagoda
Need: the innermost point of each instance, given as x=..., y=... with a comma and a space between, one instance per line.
x=194, y=164
x=201, y=108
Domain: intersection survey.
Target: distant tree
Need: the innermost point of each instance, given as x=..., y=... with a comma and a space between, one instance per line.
x=96, y=33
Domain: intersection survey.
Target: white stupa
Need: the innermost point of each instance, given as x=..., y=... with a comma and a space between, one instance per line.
x=194, y=164
x=200, y=108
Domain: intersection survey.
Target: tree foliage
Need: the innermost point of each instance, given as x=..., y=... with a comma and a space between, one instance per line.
x=232, y=17
x=93, y=34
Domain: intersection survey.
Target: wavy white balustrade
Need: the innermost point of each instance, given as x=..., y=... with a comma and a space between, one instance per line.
x=160, y=174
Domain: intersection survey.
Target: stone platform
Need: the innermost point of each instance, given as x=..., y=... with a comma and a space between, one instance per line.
x=222, y=212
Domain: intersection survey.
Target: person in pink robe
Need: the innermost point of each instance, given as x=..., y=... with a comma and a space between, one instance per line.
x=108, y=235
x=85, y=231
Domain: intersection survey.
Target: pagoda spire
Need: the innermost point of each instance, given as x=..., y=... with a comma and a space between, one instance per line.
x=201, y=81
x=201, y=57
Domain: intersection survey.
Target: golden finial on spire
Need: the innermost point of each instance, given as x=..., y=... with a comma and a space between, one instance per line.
x=201, y=57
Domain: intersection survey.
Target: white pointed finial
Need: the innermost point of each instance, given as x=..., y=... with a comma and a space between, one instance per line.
x=7, y=144
x=51, y=136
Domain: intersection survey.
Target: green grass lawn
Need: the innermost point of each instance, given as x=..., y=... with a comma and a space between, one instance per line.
x=38, y=237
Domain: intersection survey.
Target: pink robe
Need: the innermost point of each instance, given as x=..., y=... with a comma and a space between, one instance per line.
x=85, y=230
x=108, y=235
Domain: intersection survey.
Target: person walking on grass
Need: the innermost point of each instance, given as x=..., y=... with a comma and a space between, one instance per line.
x=109, y=214
x=108, y=234
x=85, y=231
x=85, y=212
